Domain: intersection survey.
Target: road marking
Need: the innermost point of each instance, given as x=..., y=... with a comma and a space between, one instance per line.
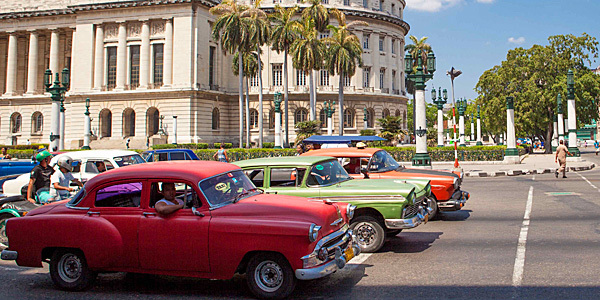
x=533, y=178
x=562, y=194
x=586, y=180
x=358, y=260
x=520, y=259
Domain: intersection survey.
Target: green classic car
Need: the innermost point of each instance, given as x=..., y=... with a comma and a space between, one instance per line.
x=383, y=206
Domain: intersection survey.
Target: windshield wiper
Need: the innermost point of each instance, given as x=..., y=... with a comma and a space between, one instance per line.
x=239, y=196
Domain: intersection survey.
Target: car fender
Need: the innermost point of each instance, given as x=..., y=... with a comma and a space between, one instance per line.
x=9, y=211
x=442, y=192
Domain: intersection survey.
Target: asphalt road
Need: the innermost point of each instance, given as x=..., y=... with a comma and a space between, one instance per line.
x=522, y=237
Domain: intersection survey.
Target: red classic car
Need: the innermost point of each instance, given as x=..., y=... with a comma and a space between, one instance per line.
x=226, y=226
x=377, y=163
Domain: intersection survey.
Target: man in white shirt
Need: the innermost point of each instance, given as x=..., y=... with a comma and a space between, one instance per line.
x=60, y=181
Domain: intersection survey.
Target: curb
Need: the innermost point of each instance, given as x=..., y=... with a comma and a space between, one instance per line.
x=526, y=172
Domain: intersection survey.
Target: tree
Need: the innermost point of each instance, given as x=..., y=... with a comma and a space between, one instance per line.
x=344, y=54
x=534, y=77
x=283, y=35
x=250, y=63
x=307, y=129
x=308, y=53
x=231, y=31
x=391, y=129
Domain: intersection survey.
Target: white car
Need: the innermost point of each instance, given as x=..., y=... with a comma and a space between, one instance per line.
x=84, y=169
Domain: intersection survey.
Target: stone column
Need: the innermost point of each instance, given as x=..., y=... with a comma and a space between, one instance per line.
x=365, y=119
x=87, y=127
x=560, y=120
x=440, y=129
x=511, y=155
x=168, y=62
x=461, y=126
x=472, y=128
x=421, y=125
x=54, y=51
x=11, y=65
x=32, y=63
x=55, y=124
x=99, y=58
x=122, y=57
x=175, y=130
x=145, y=56
x=555, y=134
x=572, y=113
x=61, y=141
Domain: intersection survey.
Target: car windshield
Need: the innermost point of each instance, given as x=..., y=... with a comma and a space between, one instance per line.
x=227, y=188
x=382, y=162
x=327, y=173
x=128, y=160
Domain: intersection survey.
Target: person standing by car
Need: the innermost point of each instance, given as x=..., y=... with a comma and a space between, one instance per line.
x=221, y=154
x=597, y=146
x=4, y=154
x=561, y=157
x=39, y=181
x=60, y=181
x=168, y=204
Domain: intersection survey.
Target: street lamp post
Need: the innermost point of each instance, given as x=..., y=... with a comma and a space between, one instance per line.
x=479, y=143
x=453, y=73
x=572, y=115
x=175, y=130
x=555, y=133
x=440, y=106
x=329, y=111
x=277, y=103
x=87, y=126
x=365, y=119
x=462, y=107
x=511, y=155
x=472, y=128
x=560, y=120
x=57, y=93
x=421, y=157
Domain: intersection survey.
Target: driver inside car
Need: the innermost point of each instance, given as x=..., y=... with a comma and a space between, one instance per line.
x=169, y=204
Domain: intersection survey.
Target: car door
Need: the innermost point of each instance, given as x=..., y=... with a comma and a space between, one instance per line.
x=289, y=181
x=175, y=242
x=118, y=203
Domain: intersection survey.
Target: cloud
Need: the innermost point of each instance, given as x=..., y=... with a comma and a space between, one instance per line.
x=485, y=1
x=518, y=41
x=432, y=5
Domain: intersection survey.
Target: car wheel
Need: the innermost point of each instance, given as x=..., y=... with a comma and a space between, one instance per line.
x=270, y=276
x=3, y=236
x=394, y=232
x=69, y=270
x=368, y=232
x=434, y=206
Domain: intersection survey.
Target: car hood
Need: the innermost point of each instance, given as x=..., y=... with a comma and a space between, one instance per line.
x=373, y=187
x=429, y=172
x=289, y=208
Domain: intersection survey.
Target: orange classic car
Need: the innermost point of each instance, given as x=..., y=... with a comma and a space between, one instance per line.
x=377, y=163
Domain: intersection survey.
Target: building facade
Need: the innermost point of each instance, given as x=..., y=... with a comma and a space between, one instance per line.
x=144, y=64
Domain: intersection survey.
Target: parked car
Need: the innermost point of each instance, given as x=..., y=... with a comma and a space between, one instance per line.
x=169, y=154
x=226, y=226
x=10, y=169
x=377, y=163
x=383, y=206
x=84, y=169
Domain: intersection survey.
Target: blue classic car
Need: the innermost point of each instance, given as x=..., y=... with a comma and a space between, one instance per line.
x=10, y=169
x=169, y=154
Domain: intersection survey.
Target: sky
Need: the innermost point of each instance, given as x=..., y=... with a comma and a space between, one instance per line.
x=475, y=35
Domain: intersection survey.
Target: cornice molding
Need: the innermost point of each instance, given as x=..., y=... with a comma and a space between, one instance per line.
x=37, y=13
x=374, y=15
x=137, y=3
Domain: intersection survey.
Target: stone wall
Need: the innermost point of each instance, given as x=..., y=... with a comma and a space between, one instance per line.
x=32, y=5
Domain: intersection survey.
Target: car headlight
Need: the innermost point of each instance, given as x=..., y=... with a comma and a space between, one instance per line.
x=456, y=183
x=350, y=211
x=313, y=232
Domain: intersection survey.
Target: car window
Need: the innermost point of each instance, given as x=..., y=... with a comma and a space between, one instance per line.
x=187, y=156
x=147, y=156
x=177, y=156
x=120, y=195
x=184, y=192
x=76, y=166
x=286, y=176
x=327, y=173
x=163, y=156
x=227, y=188
x=382, y=161
x=127, y=160
x=257, y=176
x=108, y=165
x=352, y=165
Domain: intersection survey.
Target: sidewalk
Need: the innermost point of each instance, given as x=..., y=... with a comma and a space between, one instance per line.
x=530, y=164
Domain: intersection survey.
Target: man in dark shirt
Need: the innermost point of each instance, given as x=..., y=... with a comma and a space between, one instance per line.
x=39, y=181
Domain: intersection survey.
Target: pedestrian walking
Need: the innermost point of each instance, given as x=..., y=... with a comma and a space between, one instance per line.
x=127, y=143
x=561, y=158
x=597, y=146
x=221, y=154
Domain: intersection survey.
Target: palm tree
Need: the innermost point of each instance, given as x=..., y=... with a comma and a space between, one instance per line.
x=344, y=54
x=259, y=35
x=308, y=53
x=414, y=48
x=250, y=69
x=283, y=34
x=231, y=31
x=320, y=16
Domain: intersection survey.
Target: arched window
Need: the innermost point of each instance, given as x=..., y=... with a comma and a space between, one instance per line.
x=349, y=118
x=370, y=118
x=323, y=118
x=152, y=120
x=253, y=118
x=37, y=123
x=216, y=118
x=397, y=113
x=15, y=122
x=128, y=122
x=301, y=115
x=105, y=123
x=385, y=113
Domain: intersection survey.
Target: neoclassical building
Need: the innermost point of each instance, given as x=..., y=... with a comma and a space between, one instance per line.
x=143, y=63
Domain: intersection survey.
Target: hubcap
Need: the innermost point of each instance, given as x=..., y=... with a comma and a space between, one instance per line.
x=268, y=276
x=69, y=267
x=365, y=233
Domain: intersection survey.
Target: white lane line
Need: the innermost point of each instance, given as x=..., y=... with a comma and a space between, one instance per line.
x=586, y=180
x=358, y=260
x=533, y=178
x=520, y=259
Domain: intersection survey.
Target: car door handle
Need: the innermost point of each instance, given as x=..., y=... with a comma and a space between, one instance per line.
x=149, y=214
x=90, y=213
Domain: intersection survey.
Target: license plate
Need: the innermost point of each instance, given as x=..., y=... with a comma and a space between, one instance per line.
x=349, y=254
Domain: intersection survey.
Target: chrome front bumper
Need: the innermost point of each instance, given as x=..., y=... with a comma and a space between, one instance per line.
x=421, y=217
x=456, y=202
x=8, y=255
x=338, y=262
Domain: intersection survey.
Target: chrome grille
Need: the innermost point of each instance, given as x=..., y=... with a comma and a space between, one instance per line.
x=412, y=210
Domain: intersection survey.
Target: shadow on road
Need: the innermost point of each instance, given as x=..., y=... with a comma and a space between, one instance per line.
x=459, y=215
x=410, y=242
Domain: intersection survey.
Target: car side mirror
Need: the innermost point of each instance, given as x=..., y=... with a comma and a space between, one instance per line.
x=196, y=212
x=364, y=172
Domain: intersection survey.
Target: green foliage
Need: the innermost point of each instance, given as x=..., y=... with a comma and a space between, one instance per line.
x=202, y=145
x=307, y=129
x=366, y=132
x=268, y=145
x=22, y=147
x=21, y=153
x=391, y=129
x=474, y=153
x=165, y=146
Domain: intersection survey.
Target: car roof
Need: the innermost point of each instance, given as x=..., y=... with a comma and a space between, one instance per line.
x=284, y=160
x=168, y=150
x=346, y=152
x=178, y=169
